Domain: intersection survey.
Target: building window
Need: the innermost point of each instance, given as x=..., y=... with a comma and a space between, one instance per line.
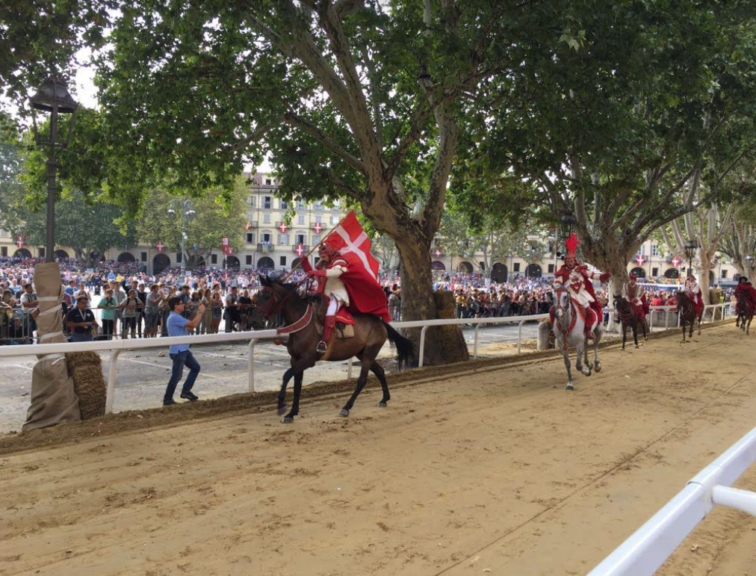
x=4, y=251
x=282, y=261
x=724, y=273
x=319, y=218
x=266, y=218
x=654, y=251
x=301, y=204
x=41, y=252
x=315, y=239
x=283, y=239
x=300, y=239
x=249, y=260
x=318, y=206
x=516, y=266
x=266, y=238
x=301, y=219
x=250, y=238
x=654, y=271
x=334, y=219
x=213, y=259
x=551, y=268
x=268, y=202
x=268, y=182
x=143, y=256
x=284, y=205
x=252, y=201
x=178, y=257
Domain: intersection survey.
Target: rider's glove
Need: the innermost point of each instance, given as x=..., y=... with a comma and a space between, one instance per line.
x=605, y=276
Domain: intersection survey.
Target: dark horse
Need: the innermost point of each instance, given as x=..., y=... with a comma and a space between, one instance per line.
x=686, y=308
x=745, y=313
x=628, y=318
x=370, y=334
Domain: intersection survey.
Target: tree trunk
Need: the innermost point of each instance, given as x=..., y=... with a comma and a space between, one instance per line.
x=418, y=304
x=609, y=256
x=703, y=277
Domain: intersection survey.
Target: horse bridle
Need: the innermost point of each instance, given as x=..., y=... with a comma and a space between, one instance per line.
x=270, y=310
x=562, y=330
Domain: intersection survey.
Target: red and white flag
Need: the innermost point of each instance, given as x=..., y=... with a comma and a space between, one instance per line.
x=349, y=238
x=361, y=278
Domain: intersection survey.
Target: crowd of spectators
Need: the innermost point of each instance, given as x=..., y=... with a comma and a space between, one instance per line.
x=132, y=303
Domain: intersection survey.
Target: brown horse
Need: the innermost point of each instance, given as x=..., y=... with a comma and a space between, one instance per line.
x=628, y=318
x=745, y=313
x=370, y=334
x=686, y=308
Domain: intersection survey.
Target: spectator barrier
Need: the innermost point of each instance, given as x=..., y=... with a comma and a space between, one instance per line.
x=115, y=347
x=652, y=544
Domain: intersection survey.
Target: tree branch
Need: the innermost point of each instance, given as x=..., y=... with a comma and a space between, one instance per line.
x=314, y=132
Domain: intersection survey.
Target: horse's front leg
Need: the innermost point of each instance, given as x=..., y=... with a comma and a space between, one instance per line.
x=361, y=381
x=566, y=355
x=624, y=335
x=635, y=334
x=298, y=368
x=282, y=393
x=596, y=362
x=584, y=368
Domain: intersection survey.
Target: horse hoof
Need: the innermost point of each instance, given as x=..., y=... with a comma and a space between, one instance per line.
x=586, y=371
x=382, y=404
x=570, y=388
x=282, y=410
x=344, y=412
x=598, y=367
x=637, y=346
x=287, y=420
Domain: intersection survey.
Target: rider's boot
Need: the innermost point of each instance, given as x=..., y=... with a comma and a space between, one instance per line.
x=328, y=326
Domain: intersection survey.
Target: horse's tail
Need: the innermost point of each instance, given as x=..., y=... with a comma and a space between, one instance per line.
x=404, y=346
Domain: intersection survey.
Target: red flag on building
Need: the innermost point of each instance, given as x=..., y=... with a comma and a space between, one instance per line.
x=361, y=279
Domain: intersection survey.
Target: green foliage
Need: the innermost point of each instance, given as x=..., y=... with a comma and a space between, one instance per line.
x=218, y=214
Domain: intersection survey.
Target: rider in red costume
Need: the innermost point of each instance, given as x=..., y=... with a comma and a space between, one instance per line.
x=693, y=290
x=579, y=281
x=346, y=283
x=746, y=287
x=637, y=296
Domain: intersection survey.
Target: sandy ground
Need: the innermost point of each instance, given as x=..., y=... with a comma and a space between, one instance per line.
x=496, y=471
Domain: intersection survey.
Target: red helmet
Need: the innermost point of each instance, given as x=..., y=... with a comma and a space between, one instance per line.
x=329, y=247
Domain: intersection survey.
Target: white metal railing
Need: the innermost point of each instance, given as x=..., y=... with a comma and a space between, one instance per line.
x=115, y=347
x=649, y=547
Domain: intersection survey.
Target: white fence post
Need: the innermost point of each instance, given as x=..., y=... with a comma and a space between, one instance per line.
x=112, y=377
x=422, y=346
x=475, y=341
x=519, y=337
x=252, y=364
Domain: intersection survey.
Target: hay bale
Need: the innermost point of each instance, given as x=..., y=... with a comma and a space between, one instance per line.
x=545, y=339
x=85, y=368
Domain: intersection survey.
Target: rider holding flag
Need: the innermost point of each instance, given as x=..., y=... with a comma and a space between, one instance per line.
x=348, y=274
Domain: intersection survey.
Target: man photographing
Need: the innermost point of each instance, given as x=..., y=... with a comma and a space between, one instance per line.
x=180, y=354
x=81, y=321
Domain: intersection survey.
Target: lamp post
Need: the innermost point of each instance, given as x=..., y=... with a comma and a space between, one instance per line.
x=52, y=97
x=690, y=250
x=187, y=214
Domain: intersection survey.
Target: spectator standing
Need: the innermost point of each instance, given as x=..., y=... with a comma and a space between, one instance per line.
x=81, y=321
x=232, y=311
x=152, y=311
x=120, y=296
x=108, y=304
x=180, y=353
x=29, y=303
x=130, y=307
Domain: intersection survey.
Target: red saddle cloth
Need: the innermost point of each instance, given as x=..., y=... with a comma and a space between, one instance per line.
x=342, y=314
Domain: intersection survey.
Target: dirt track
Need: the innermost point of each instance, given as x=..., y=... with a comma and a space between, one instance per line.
x=499, y=472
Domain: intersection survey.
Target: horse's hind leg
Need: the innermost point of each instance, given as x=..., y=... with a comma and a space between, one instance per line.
x=624, y=335
x=581, y=352
x=361, y=381
x=298, y=368
x=377, y=369
x=635, y=335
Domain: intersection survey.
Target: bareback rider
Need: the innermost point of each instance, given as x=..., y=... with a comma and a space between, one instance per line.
x=578, y=280
x=636, y=295
x=693, y=290
x=328, y=272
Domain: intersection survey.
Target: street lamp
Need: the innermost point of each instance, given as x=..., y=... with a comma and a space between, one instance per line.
x=52, y=97
x=187, y=214
x=566, y=224
x=690, y=250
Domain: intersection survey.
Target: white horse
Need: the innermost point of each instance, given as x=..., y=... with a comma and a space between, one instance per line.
x=568, y=326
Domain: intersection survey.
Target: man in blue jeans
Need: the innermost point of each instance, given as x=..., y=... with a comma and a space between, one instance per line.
x=180, y=354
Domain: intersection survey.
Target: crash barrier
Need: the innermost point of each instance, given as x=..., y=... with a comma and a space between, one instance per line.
x=115, y=347
x=652, y=544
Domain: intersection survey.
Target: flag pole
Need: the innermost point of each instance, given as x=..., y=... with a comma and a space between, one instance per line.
x=315, y=247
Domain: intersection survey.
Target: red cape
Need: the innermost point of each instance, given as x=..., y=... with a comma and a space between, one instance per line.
x=365, y=294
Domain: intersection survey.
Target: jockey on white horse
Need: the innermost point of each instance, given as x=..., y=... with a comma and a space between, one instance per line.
x=578, y=280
